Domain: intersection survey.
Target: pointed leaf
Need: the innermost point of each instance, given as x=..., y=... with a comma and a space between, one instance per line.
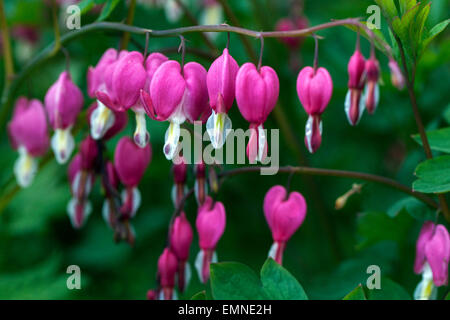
x=433, y=175
x=356, y=294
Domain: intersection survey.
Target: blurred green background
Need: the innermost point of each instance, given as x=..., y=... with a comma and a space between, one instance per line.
x=331, y=251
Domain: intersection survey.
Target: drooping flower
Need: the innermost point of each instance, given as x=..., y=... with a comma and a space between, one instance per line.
x=256, y=95
x=372, y=91
x=28, y=134
x=176, y=94
x=167, y=269
x=125, y=78
x=289, y=24
x=354, y=105
x=221, y=80
x=432, y=259
x=110, y=184
x=397, y=78
x=284, y=214
x=314, y=89
x=117, y=119
x=179, y=174
x=180, y=241
x=102, y=118
x=210, y=226
x=81, y=175
x=130, y=162
x=63, y=103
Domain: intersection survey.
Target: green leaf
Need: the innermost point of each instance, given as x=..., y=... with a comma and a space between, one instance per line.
x=374, y=227
x=388, y=8
x=108, y=9
x=390, y=290
x=405, y=5
x=417, y=27
x=433, y=175
x=356, y=294
x=439, y=139
x=434, y=32
x=235, y=281
x=415, y=208
x=199, y=296
x=279, y=284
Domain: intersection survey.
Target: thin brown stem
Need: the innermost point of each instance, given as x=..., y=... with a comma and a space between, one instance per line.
x=339, y=173
x=128, y=21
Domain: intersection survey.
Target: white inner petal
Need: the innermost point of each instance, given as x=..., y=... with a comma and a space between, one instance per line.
x=102, y=119
x=218, y=127
x=426, y=289
x=141, y=135
x=62, y=144
x=25, y=168
x=171, y=140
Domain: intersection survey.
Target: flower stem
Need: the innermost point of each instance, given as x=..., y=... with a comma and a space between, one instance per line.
x=57, y=45
x=339, y=173
x=128, y=21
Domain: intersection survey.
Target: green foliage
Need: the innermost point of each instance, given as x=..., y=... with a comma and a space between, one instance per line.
x=389, y=291
x=231, y=280
x=433, y=176
x=356, y=294
x=439, y=140
x=414, y=207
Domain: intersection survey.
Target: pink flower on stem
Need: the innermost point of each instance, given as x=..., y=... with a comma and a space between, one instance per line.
x=176, y=93
x=110, y=184
x=210, y=226
x=314, y=89
x=397, y=78
x=179, y=174
x=63, y=103
x=284, y=214
x=102, y=118
x=130, y=162
x=354, y=105
x=180, y=241
x=221, y=80
x=432, y=258
x=81, y=175
x=124, y=80
x=28, y=134
x=256, y=95
x=118, y=120
x=167, y=269
x=372, y=91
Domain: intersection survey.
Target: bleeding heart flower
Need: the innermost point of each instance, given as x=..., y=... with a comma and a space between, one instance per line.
x=284, y=214
x=354, y=105
x=130, y=162
x=432, y=258
x=221, y=80
x=63, y=103
x=372, y=91
x=200, y=187
x=176, y=94
x=256, y=95
x=110, y=184
x=28, y=134
x=114, y=121
x=314, y=89
x=167, y=269
x=210, y=226
x=81, y=175
x=180, y=241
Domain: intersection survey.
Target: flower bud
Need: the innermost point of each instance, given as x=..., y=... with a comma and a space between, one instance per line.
x=256, y=95
x=354, y=105
x=210, y=226
x=397, y=78
x=179, y=174
x=372, y=93
x=200, y=187
x=314, y=89
x=284, y=214
x=221, y=81
x=27, y=132
x=180, y=242
x=63, y=103
x=167, y=269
